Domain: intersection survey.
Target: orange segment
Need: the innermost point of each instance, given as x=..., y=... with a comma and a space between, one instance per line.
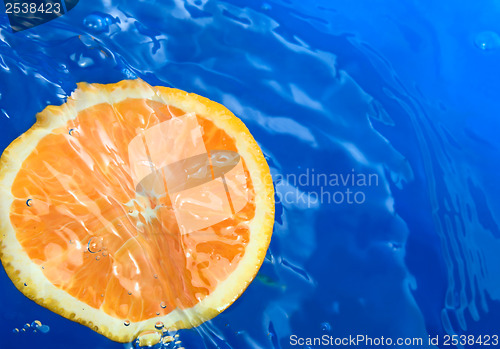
x=123, y=206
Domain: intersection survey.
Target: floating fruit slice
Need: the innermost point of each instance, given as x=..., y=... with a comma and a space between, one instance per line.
x=132, y=205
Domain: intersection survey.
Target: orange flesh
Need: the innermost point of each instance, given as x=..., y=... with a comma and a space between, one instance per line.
x=79, y=185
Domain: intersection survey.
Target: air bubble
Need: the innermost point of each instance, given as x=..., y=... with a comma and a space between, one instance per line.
x=36, y=324
x=157, y=313
x=96, y=23
x=167, y=339
x=159, y=325
x=126, y=322
x=130, y=293
x=149, y=338
x=104, y=253
x=44, y=329
x=95, y=244
x=16, y=330
x=487, y=40
x=326, y=327
x=163, y=305
x=25, y=284
x=155, y=276
x=97, y=258
x=73, y=132
x=29, y=202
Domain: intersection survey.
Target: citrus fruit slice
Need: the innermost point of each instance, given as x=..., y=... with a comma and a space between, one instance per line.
x=132, y=207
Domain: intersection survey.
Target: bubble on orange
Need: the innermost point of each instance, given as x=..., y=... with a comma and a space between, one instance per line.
x=132, y=205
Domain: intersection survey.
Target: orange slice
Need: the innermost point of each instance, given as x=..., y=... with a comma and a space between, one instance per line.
x=131, y=206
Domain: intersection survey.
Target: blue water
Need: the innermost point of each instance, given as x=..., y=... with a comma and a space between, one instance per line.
x=405, y=91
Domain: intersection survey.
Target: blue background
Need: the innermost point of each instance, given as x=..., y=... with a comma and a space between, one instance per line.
x=406, y=90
